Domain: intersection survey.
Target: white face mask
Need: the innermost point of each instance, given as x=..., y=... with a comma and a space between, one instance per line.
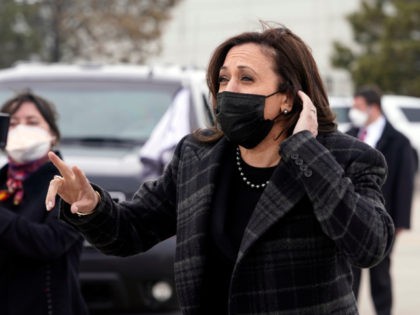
x=358, y=117
x=28, y=143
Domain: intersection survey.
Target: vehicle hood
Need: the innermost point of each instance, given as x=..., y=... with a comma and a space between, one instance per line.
x=103, y=160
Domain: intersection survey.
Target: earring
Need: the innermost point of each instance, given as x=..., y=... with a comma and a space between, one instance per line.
x=285, y=111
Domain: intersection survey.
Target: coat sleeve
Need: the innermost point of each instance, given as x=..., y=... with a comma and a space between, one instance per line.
x=346, y=196
x=42, y=241
x=134, y=226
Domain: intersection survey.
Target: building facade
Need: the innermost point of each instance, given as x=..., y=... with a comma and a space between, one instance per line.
x=198, y=26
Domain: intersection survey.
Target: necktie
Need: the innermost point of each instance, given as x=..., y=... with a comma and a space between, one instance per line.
x=362, y=134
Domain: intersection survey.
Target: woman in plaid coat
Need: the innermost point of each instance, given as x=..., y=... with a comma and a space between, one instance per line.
x=271, y=207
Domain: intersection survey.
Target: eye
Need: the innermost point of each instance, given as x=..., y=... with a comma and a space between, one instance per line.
x=13, y=122
x=247, y=78
x=222, y=79
x=32, y=123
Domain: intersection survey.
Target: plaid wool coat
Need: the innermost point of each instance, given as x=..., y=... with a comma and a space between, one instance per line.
x=321, y=212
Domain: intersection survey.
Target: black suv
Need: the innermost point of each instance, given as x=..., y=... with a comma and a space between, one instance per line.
x=107, y=115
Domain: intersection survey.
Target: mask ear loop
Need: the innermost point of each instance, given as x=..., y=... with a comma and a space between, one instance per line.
x=287, y=87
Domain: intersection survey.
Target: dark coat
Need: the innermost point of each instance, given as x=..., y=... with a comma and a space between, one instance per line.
x=399, y=185
x=39, y=254
x=321, y=212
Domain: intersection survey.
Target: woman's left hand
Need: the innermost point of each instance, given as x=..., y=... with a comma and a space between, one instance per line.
x=308, y=117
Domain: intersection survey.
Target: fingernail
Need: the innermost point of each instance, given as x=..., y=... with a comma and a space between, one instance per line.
x=49, y=205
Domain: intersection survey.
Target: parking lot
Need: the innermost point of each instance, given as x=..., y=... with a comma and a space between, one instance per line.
x=405, y=269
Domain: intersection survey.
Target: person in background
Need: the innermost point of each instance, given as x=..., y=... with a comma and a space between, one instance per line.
x=39, y=254
x=270, y=208
x=371, y=126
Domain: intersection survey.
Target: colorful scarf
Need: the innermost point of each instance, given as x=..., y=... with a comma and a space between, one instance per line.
x=16, y=174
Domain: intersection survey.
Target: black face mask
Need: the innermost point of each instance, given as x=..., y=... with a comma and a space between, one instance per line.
x=241, y=117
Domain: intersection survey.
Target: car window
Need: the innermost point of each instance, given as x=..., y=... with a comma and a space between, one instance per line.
x=106, y=110
x=342, y=114
x=412, y=114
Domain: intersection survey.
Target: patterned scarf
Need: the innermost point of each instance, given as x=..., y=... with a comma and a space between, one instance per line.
x=16, y=174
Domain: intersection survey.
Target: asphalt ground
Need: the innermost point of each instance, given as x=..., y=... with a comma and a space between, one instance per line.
x=405, y=269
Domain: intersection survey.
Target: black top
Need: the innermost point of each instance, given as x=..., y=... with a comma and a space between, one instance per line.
x=233, y=206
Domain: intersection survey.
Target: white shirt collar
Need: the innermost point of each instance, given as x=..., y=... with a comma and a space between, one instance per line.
x=374, y=131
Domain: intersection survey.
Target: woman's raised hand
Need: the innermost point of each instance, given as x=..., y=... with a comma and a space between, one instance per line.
x=73, y=187
x=308, y=117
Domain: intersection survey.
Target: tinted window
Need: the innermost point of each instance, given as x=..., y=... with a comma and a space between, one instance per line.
x=342, y=114
x=412, y=114
x=117, y=110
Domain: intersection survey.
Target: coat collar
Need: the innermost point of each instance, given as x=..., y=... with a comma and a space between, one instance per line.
x=279, y=197
x=281, y=194
x=387, y=134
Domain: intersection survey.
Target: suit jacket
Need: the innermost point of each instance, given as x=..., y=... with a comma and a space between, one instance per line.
x=39, y=254
x=399, y=185
x=321, y=212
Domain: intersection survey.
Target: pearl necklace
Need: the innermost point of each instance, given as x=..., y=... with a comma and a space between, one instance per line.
x=244, y=178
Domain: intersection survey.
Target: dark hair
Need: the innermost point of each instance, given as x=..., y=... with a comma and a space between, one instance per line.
x=46, y=109
x=371, y=94
x=294, y=64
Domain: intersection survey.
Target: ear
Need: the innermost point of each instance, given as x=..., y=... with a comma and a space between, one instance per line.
x=53, y=140
x=287, y=102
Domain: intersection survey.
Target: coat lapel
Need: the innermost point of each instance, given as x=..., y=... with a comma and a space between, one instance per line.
x=385, y=137
x=199, y=174
x=280, y=196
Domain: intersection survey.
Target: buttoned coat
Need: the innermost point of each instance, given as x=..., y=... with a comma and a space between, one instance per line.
x=321, y=212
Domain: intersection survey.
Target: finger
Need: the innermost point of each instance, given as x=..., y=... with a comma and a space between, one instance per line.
x=52, y=192
x=85, y=205
x=82, y=179
x=90, y=201
x=306, y=102
x=81, y=207
x=303, y=96
x=62, y=167
x=74, y=208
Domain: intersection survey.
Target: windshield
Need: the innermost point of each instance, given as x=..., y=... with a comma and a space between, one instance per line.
x=117, y=110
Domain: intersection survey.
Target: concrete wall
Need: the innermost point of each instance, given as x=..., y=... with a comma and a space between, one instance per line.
x=198, y=26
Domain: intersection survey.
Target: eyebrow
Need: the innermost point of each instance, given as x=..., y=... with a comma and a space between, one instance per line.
x=31, y=116
x=239, y=67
